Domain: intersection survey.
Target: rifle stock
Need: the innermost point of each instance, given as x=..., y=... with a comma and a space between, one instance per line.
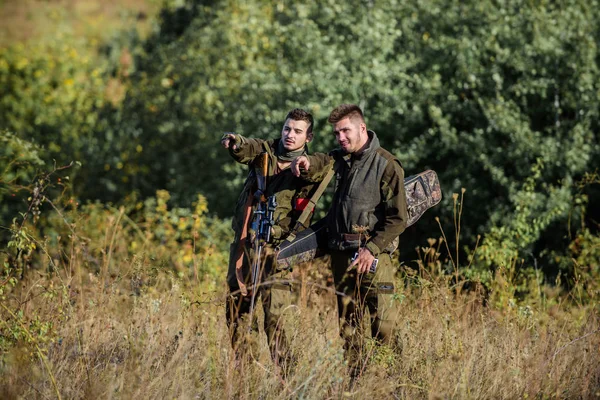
x=262, y=170
x=263, y=221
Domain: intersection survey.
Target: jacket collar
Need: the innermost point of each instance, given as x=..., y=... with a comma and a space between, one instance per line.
x=372, y=146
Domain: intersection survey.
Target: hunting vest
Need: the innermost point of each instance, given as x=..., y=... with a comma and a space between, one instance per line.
x=357, y=201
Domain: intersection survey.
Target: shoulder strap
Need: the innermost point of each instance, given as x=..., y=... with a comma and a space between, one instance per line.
x=311, y=204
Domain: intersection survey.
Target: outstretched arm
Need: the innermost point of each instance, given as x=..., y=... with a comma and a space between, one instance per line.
x=242, y=149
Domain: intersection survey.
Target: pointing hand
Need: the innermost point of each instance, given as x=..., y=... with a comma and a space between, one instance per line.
x=228, y=139
x=300, y=162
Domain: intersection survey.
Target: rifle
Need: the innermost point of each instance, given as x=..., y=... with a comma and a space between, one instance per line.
x=262, y=222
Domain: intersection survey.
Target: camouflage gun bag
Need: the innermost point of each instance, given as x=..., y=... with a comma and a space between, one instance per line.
x=422, y=192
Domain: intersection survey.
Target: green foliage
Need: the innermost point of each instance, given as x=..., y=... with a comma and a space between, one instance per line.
x=493, y=89
x=19, y=159
x=25, y=185
x=19, y=164
x=533, y=213
x=196, y=245
x=32, y=334
x=501, y=99
x=50, y=93
x=585, y=266
x=56, y=93
x=183, y=241
x=581, y=263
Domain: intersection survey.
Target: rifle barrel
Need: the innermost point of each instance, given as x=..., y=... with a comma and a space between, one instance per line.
x=255, y=278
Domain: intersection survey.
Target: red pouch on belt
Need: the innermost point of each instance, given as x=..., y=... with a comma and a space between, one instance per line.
x=301, y=204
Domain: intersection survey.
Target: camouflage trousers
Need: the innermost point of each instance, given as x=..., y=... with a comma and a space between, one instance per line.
x=275, y=295
x=358, y=293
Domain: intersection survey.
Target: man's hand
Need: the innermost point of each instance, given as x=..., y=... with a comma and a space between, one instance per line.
x=300, y=162
x=363, y=261
x=228, y=140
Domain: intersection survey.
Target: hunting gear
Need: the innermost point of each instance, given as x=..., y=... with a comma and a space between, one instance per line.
x=267, y=210
x=263, y=223
x=422, y=192
x=368, y=213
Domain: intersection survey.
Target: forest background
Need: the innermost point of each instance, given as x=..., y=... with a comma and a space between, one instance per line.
x=115, y=195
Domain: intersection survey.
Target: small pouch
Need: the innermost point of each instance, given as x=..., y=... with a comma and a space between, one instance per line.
x=301, y=204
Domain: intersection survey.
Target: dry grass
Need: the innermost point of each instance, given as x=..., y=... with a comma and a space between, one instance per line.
x=127, y=325
x=167, y=339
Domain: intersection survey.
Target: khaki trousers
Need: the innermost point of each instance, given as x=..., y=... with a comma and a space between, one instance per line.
x=274, y=297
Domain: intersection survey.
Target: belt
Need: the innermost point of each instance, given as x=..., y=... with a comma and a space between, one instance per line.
x=346, y=241
x=352, y=237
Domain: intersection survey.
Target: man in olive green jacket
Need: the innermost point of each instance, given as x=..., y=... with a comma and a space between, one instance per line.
x=292, y=194
x=367, y=215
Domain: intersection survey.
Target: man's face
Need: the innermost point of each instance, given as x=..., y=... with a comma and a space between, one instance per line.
x=350, y=135
x=294, y=134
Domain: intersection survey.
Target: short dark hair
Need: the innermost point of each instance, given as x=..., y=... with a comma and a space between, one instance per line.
x=298, y=114
x=342, y=111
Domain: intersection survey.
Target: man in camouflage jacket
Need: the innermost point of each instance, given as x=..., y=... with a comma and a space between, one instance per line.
x=292, y=194
x=367, y=215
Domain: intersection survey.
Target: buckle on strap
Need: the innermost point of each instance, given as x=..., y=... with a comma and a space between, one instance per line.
x=347, y=241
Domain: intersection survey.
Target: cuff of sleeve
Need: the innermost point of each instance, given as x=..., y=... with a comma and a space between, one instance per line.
x=238, y=144
x=276, y=232
x=373, y=248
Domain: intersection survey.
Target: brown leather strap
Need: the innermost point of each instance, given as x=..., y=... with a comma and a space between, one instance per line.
x=239, y=254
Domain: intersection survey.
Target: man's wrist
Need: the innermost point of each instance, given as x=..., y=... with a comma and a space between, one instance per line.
x=276, y=232
x=373, y=248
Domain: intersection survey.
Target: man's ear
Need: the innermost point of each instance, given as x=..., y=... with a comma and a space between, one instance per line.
x=363, y=127
x=309, y=137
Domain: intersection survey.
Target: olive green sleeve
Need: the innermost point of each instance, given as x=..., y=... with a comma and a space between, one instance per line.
x=320, y=164
x=246, y=149
x=394, y=198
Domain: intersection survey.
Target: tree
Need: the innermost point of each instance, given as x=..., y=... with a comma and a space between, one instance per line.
x=500, y=98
